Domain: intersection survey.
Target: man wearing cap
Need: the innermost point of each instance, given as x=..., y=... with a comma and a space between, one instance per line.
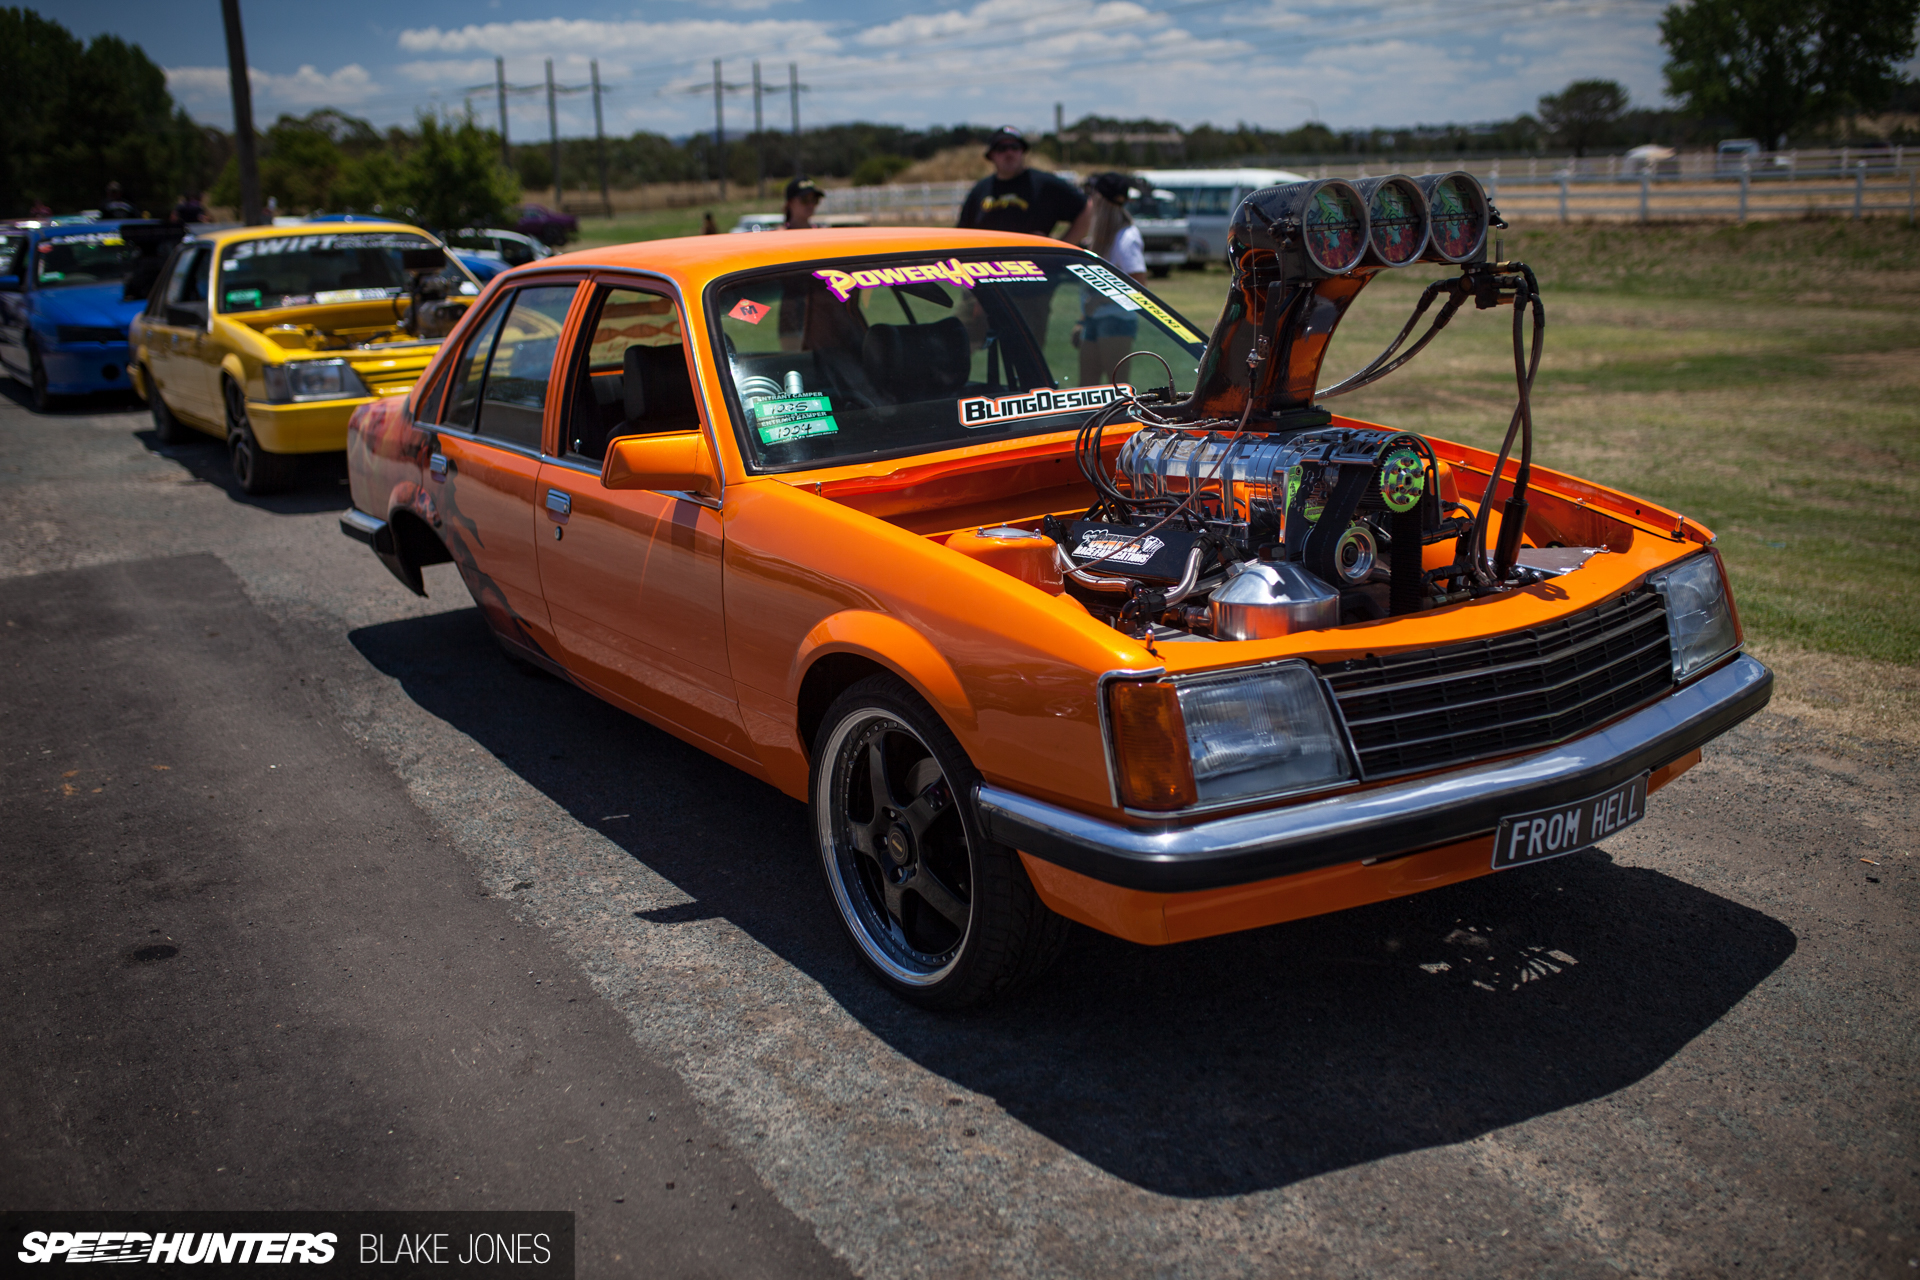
x=803, y=197
x=1016, y=198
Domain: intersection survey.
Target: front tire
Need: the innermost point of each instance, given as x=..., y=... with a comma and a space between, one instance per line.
x=167, y=429
x=944, y=917
x=44, y=401
x=256, y=470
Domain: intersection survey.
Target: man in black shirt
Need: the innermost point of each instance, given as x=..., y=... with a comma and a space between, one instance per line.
x=1017, y=198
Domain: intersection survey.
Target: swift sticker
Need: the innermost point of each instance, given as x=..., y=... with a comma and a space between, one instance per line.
x=1111, y=286
x=952, y=271
x=750, y=311
x=779, y=419
x=985, y=411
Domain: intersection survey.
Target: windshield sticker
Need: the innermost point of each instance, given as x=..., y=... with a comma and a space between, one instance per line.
x=323, y=243
x=952, y=271
x=779, y=419
x=750, y=311
x=328, y=296
x=46, y=246
x=1106, y=283
x=984, y=411
x=243, y=299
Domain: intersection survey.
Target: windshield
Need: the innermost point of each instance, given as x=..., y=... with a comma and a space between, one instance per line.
x=1157, y=205
x=322, y=269
x=842, y=360
x=94, y=259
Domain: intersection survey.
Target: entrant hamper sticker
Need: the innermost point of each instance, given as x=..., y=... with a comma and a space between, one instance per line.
x=987, y=411
x=750, y=311
x=952, y=271
x=779, y=419
x=1109, y=285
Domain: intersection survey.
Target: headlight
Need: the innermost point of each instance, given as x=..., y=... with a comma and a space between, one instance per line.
x=1700, y=622
x=1245, y=734
x=313, y=380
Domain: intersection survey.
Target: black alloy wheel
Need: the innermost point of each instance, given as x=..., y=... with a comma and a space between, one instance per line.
x=167, y=429
x=943, y=916
x=44, y=401
x=257, y=470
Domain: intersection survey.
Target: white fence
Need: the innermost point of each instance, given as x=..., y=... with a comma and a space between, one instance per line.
x=1844, y=182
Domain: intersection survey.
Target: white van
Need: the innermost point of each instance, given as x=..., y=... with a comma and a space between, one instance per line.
x=1209, y=197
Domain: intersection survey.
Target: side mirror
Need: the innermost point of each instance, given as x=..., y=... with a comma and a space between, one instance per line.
x=675, y=461
x=187, y=315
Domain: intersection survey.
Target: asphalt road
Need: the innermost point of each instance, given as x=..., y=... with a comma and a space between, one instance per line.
x=398, y=925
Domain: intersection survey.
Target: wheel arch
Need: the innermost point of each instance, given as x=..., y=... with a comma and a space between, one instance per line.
x=851, y=645
x=406, y=546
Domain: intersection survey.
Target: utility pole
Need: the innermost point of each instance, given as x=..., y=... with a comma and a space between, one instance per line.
x=1060, y=128
x=500, y=87
x=250, y=211
x=793, y=96
x=600, y=141
x=759, y=151
x=719, y=129
x=553, y=134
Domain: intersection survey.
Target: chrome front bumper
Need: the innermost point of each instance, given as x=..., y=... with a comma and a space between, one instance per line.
x=1384, y=822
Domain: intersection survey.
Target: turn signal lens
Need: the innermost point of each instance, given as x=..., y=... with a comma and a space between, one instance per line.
x=1150, y=754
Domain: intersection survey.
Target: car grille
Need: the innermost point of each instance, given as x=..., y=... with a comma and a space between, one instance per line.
x=90, y=333
x=1413, y=711
x=393, y=378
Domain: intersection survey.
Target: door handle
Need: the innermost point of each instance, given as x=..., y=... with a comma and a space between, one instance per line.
x=559, y=504
x=437, y=466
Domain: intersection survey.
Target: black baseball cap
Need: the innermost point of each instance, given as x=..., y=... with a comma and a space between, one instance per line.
x=1113, y=186
x=804, y=186
x=1006, y=136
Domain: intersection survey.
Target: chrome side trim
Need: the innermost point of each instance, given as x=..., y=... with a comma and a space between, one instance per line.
x=1383, y=822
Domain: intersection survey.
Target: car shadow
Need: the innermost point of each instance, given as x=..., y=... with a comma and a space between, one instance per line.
x=91, y=404
x=319, y=483
x=1219, y=1067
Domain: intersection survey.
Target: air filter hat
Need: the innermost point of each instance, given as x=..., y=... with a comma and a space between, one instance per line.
x=802, y=186
x=1006, y=136
x=1115, y=187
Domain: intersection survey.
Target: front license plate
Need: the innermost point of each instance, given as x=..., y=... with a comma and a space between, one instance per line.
x=1535, y=837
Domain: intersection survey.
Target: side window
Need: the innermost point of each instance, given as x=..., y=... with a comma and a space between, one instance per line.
x=186, y=297
x=470, y=371
x=515, y=397
x=634, y=380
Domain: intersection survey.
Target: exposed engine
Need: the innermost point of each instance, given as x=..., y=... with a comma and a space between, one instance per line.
x=1243, y=512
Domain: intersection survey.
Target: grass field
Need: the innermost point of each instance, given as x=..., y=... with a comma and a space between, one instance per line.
x=1765, y=380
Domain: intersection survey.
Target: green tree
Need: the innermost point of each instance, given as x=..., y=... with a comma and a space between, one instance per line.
x=1775, y=66
x=453, y=176
x=1585, y=113
x=81, y=116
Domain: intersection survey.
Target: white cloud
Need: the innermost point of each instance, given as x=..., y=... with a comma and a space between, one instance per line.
x=308, y=87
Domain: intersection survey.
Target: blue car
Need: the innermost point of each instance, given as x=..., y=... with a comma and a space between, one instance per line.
x=63, y=306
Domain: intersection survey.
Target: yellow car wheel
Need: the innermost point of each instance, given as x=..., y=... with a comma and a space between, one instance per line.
x=167, y=429
x=257, y=470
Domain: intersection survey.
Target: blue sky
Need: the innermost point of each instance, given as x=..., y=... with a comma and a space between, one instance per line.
x=1270, y=62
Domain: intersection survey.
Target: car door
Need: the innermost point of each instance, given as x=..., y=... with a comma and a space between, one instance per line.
x=485, y=464
x=633, y=578
x=178, y=339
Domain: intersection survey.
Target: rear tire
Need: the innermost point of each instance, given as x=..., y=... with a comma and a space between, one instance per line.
x=167, y=429
x=257, y=471
x=943, y=917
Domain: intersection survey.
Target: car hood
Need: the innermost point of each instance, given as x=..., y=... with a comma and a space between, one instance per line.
x=87, y=304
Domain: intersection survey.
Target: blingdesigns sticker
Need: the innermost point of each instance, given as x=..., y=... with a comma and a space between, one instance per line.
x=779, y=419
x=1111, y=286
x=952, y=271
x=984, y=411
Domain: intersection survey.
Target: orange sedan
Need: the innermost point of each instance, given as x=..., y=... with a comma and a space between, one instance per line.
x=850, y=511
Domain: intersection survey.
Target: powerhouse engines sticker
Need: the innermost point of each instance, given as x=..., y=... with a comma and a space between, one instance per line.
x=952, y=271
x=986, y=411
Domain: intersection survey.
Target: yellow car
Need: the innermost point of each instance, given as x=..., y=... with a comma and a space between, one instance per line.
x=270, y=337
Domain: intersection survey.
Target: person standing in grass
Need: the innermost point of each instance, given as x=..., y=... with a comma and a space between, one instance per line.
x=803, y=197
x=1107, y=330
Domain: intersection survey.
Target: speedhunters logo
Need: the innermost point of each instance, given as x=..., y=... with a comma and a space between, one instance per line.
x=385, y=1244
x=189, y=1247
